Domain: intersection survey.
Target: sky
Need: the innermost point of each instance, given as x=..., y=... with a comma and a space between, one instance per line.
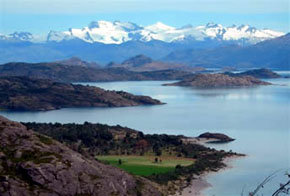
x=41, y=16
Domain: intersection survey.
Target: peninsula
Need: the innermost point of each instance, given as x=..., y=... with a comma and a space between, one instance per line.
x=23, y=93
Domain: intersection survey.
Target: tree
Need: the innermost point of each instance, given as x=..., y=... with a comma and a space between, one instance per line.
x=156, y=160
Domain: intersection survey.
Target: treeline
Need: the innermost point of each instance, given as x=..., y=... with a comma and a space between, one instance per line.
x=99, y=139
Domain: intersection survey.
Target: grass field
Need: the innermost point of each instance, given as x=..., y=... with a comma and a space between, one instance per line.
x=145, y=165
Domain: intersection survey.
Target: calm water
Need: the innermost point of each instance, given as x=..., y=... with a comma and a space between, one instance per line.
x=259, y=118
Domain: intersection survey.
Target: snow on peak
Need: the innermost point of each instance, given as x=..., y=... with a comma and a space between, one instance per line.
x=117, y=32
x=18, y=36
x=100, y=31
x=23, y=36
x=213, y=25
x=159, y=27
x=58, y=36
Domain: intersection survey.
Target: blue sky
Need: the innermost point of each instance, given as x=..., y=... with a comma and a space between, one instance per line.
x=40, y=16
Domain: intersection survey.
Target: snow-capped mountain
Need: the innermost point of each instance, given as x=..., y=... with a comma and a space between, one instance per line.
x=17, y=36
x=23, y=37
x=119, y=32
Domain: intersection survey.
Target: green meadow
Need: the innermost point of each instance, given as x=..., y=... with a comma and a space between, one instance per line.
x=145, y=165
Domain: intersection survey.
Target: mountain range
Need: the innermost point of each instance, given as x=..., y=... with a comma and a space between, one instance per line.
x=102, y=42
x=274, y=53
x=119, y=32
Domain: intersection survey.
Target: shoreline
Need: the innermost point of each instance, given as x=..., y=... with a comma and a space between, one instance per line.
x=200, y=183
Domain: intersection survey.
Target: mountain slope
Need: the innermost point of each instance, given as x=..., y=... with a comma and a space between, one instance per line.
x=33, y=164
x=273, y=53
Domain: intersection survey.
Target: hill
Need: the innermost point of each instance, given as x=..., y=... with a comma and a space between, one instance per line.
x=34, y=164
x=219, y=81
x=257, y=73
x=168, y=160
x=141, y=63
x=75, y=61
x=68, y=73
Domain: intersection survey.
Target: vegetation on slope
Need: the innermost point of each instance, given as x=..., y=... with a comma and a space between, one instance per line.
x=110, y=144
x=34, y=164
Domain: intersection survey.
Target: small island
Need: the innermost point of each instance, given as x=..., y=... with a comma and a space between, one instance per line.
x=216, y=137
x=257, y=73
x=219, y=81
x=23, y=93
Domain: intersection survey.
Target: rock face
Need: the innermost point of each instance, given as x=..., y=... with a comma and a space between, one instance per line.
x=257, y=73
x=33, y=164
x=219, y=81
x=218, y=137
x=22, y=93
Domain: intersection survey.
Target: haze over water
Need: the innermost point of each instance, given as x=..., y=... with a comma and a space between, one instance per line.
x=257, y=117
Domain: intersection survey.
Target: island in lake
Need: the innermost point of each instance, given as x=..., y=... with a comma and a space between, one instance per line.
x=23, y=93
x=257, y=73
x=219, y=81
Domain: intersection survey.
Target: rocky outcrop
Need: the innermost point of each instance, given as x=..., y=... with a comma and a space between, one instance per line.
x=218, y=81
x=34, y=164
x=22, y=93
x=216, y=137
x=257, y=73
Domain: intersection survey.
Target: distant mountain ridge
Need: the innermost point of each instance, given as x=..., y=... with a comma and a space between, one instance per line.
x=120, y=32
x=211, y=45
x=274, y=53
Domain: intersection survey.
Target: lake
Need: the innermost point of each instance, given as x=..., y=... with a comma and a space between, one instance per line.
x=259, y=119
